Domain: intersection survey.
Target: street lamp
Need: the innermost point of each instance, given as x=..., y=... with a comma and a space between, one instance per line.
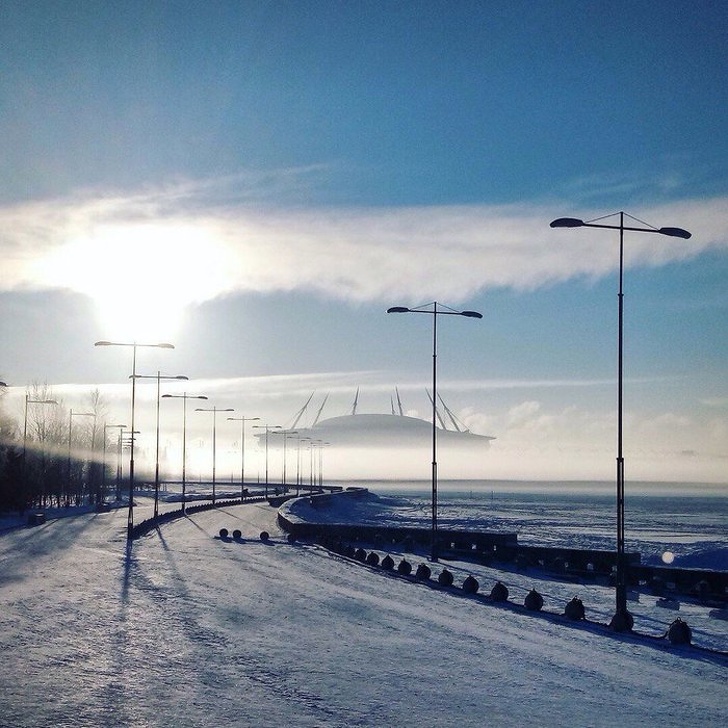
x=434, y=311
x=242, y=421
x=312, y=477
x=184, y=397
x=214, y=411
x=320, y=447
x=286, y=434
x=70, y=427
x=103, y=459
x=28, y=401
x=622, y=619
x=267, y=429
x=134, y=345
x=158, y=376
x=124, y=443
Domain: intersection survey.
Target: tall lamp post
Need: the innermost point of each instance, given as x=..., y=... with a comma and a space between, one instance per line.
x=28, y=401
x=267, y=429
x=285, y=434
x=622, y=619
x=312, y=477
x=71, y=415
x=184, y=397
x=214, y=411
x=242, y=421
x=134, y=345
x=320, y=447
x=159, y=377
x=434, y=311
x=103, y=459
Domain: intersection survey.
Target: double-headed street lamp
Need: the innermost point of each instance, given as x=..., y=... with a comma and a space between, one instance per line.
x=214, y=411
x=158, y=376
x=434, y=311
x=28, y=401
x=622, y=619
x=134, y=345
x=242, y=421
x=184, y=397
x=267, y=429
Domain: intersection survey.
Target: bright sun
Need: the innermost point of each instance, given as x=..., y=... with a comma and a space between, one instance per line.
x=142, y=276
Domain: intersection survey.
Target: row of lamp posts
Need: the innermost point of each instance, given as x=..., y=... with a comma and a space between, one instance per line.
x=622, y=619
x=184, y=396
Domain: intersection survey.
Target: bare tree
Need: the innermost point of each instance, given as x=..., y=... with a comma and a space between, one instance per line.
x=43, y=462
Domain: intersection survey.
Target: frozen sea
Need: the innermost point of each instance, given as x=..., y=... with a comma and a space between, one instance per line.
x=194, y=630
x=688, y=521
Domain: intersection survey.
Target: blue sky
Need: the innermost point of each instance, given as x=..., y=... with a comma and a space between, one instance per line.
x=258, y=182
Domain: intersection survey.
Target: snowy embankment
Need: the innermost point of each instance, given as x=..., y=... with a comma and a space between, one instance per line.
x=194, y=630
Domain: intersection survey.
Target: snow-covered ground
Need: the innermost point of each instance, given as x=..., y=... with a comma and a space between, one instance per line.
x=193, y=630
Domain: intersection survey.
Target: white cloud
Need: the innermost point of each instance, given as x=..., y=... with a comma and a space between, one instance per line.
x=212, y=247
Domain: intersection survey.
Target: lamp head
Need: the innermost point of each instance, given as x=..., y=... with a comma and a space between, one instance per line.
x=398, y=309
x=566, y=222
x=471, y=314
x=675, y=232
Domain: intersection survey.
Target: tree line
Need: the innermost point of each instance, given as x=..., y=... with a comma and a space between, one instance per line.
x=51, y=456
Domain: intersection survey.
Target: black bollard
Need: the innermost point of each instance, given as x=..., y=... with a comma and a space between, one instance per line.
x=404, y=567
x=446, y=578
x=679, y=633
x=533, y=601
x=237, y=534
x=387, y=562
x=575, y=609
x=373, y=558
x=223, y=533
x=423, y=572
x=264, y=536
x=471, y=585
x=499, y=593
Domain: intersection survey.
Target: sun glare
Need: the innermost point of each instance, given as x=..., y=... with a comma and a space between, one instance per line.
x=142, y=276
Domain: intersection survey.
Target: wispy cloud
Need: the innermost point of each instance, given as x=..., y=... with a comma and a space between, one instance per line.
x=215, y=242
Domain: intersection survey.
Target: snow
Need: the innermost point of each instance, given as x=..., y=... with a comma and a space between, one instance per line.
x=195, y=630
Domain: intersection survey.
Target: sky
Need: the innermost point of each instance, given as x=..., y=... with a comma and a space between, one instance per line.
x=257, y=183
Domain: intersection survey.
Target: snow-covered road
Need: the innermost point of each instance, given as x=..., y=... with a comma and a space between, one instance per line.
x=197, y=631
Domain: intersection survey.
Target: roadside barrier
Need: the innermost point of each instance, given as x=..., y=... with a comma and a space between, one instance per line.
x=484, y=549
